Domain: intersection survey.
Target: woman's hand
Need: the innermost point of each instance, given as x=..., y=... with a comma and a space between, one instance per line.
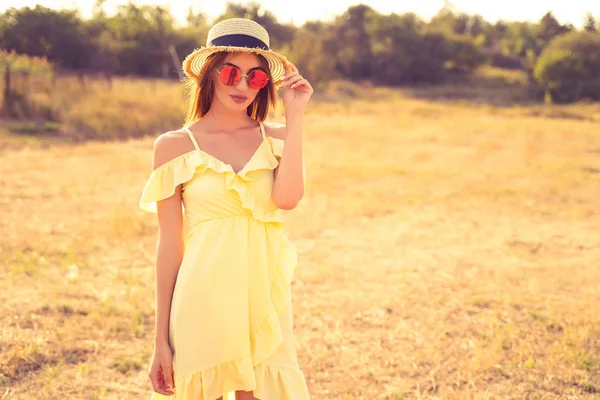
x=161, y=370
x=296, y=91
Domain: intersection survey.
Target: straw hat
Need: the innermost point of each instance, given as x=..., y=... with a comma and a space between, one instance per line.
x=237, y=34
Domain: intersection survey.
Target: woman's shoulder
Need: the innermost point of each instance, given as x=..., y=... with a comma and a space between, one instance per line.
x=169, y=146
x=275, y=130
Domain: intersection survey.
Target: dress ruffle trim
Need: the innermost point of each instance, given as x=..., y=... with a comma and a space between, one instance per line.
x=163, y=180
x=276, y=146
x=280, y=383
x=268, y=337
x=266, y=382
x=252, y=373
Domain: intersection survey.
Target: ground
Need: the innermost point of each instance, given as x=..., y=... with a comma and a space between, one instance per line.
x=448, y=249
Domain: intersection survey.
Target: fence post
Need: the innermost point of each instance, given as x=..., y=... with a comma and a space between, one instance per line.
x=7, y=92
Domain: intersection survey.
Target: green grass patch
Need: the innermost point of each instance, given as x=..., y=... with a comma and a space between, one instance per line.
x=125, y=366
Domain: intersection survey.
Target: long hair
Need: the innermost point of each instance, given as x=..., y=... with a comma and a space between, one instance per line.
x=200, y=92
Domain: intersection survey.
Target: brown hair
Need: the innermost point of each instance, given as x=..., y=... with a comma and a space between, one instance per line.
x=201, y=91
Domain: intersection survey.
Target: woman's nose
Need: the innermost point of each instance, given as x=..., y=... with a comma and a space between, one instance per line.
x=242, y=84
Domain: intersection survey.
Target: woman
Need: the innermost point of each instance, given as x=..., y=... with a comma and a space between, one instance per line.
x=224, y=266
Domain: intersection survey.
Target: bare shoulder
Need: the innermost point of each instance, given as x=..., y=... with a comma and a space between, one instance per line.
x=169, y=146
x=275, y=129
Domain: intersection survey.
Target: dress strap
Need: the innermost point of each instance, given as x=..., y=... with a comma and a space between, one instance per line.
x=193, y=139
x=262, y=130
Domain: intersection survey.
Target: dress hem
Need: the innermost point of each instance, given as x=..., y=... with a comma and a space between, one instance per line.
x=268, y=382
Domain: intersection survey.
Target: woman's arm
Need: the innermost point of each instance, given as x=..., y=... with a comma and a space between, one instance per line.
x=170, y=244
x=288, y=187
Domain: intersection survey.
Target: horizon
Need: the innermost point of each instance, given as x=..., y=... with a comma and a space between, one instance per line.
x=572, y=12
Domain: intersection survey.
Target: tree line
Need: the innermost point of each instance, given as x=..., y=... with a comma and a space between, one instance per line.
x=360, y=44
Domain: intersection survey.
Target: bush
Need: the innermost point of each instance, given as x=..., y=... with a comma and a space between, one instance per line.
x=308, y=54
x=466, y=54
x=19, y=73
x=569, y=68
x=429, y=54
x=501, y=60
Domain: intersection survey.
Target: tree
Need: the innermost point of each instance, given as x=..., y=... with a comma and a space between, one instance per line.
x=478, y=26
x=548, y=28
x=447, y=20
x=395, y=42
x=519, y=38
x=307, y=52
x=98, y=9
x=196, y=18
x=353, y=50
x=569, y=68
x=42, y=32
x=465, y=54
x=590, y=23
x=143, y=34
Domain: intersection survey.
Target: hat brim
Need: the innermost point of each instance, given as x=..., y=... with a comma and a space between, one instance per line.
x=193, y=63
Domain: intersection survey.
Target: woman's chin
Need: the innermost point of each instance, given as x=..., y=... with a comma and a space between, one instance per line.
x=235, y=106
x=238, y=105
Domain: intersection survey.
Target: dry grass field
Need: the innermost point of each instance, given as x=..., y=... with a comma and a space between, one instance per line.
x=448, y=250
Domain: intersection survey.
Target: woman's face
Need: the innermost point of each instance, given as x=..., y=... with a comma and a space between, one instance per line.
x=240, y=96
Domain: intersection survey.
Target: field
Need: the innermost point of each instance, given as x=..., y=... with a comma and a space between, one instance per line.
x=449, y=249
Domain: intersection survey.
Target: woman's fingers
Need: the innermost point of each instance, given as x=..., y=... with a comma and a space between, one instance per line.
x=290, y=75
x=168, y=374
x=301, y=82
x=158, y=382
x=292, y=80
x=297, y=82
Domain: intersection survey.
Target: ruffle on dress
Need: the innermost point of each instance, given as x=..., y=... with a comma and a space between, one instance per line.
x=163, y=180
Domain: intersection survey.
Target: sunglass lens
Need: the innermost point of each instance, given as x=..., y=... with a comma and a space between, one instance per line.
x=230, y=75
x=258, y=79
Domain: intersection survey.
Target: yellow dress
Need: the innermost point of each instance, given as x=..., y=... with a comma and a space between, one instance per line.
x=230, y=324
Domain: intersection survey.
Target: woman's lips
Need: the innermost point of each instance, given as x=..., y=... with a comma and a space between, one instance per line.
x=238, y=99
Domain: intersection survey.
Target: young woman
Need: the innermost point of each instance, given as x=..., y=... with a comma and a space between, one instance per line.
x=224, y=265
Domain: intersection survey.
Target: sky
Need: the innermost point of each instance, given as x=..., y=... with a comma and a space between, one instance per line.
x=566, y=11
